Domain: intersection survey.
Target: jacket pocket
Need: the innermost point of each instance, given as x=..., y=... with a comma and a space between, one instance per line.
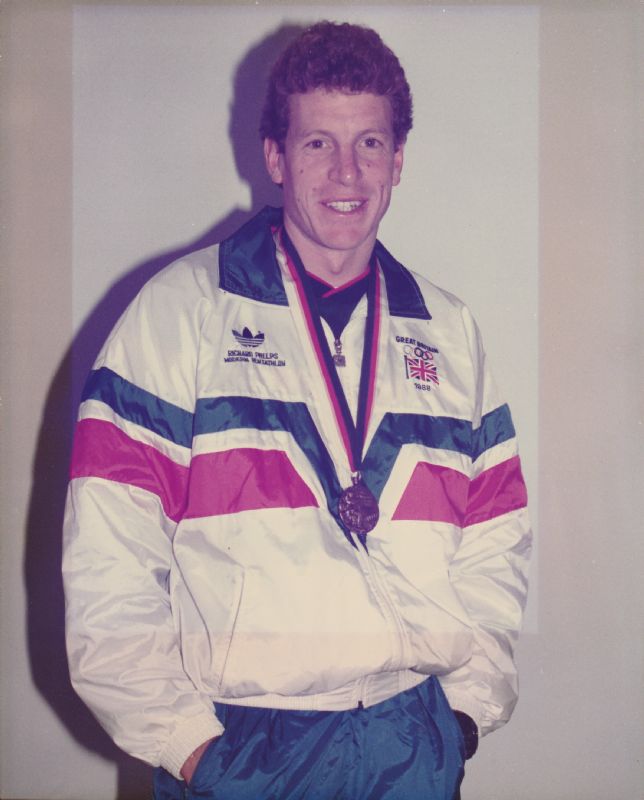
x=224, y=644
x=208, y=770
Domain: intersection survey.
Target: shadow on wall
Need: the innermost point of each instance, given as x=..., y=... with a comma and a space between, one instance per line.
x=51, y=461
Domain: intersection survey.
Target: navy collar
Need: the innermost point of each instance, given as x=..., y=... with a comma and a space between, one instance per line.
x=248, y=267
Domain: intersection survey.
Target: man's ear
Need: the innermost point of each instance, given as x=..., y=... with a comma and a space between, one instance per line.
x=273, y=159
x=398, y=163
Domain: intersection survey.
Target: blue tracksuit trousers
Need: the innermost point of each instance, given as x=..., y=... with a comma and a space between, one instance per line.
x=409, y=747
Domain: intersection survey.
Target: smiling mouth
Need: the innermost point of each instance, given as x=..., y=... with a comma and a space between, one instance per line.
x=345, y=206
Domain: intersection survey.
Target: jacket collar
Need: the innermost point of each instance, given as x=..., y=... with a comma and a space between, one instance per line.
x=248, y=267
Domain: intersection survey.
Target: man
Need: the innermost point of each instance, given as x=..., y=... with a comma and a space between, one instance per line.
x=296, y=537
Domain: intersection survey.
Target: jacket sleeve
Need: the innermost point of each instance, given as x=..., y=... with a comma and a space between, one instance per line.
x=128, y=488
x=489, y=570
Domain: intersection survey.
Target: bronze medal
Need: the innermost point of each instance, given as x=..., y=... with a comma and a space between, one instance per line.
x=358, y=508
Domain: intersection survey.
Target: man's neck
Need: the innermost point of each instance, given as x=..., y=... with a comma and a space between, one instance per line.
x=335, y=267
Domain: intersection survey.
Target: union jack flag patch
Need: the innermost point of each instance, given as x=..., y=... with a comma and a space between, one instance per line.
x=421, y=369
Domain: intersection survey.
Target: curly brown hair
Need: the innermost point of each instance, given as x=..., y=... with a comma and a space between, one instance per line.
x=341, y=57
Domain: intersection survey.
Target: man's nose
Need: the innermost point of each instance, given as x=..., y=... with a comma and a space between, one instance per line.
x=346, y=166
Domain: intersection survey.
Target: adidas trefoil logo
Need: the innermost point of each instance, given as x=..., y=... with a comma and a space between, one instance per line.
x=247, y=342
x=247, y=339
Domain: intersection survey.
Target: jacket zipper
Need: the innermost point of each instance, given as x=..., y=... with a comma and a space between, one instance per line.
x=370, y=571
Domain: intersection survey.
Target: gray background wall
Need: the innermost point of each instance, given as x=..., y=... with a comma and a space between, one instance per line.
x=127, y=137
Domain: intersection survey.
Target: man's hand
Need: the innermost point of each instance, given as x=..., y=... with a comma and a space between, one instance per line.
x=470, y=733
x=190, y=764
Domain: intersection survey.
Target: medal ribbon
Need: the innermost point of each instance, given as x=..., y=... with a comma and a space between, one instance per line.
x=353, y=434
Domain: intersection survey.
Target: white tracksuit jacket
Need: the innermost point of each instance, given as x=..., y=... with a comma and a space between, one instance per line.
x=204, y=558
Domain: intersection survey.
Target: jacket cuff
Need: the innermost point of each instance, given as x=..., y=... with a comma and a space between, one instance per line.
x=187, y=737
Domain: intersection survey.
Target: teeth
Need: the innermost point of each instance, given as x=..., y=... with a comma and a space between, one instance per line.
x=345, y=205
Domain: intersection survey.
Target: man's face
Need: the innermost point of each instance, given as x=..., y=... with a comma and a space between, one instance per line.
x=337, y=170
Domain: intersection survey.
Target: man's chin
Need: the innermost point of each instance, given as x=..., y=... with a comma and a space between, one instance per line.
x=341, y=235
x=345, y=236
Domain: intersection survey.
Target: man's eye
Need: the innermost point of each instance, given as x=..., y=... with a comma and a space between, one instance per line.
x=316, y=144
x=371, y=142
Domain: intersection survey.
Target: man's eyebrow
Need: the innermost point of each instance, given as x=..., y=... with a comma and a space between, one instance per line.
x=379, y=131
x=314, y=132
